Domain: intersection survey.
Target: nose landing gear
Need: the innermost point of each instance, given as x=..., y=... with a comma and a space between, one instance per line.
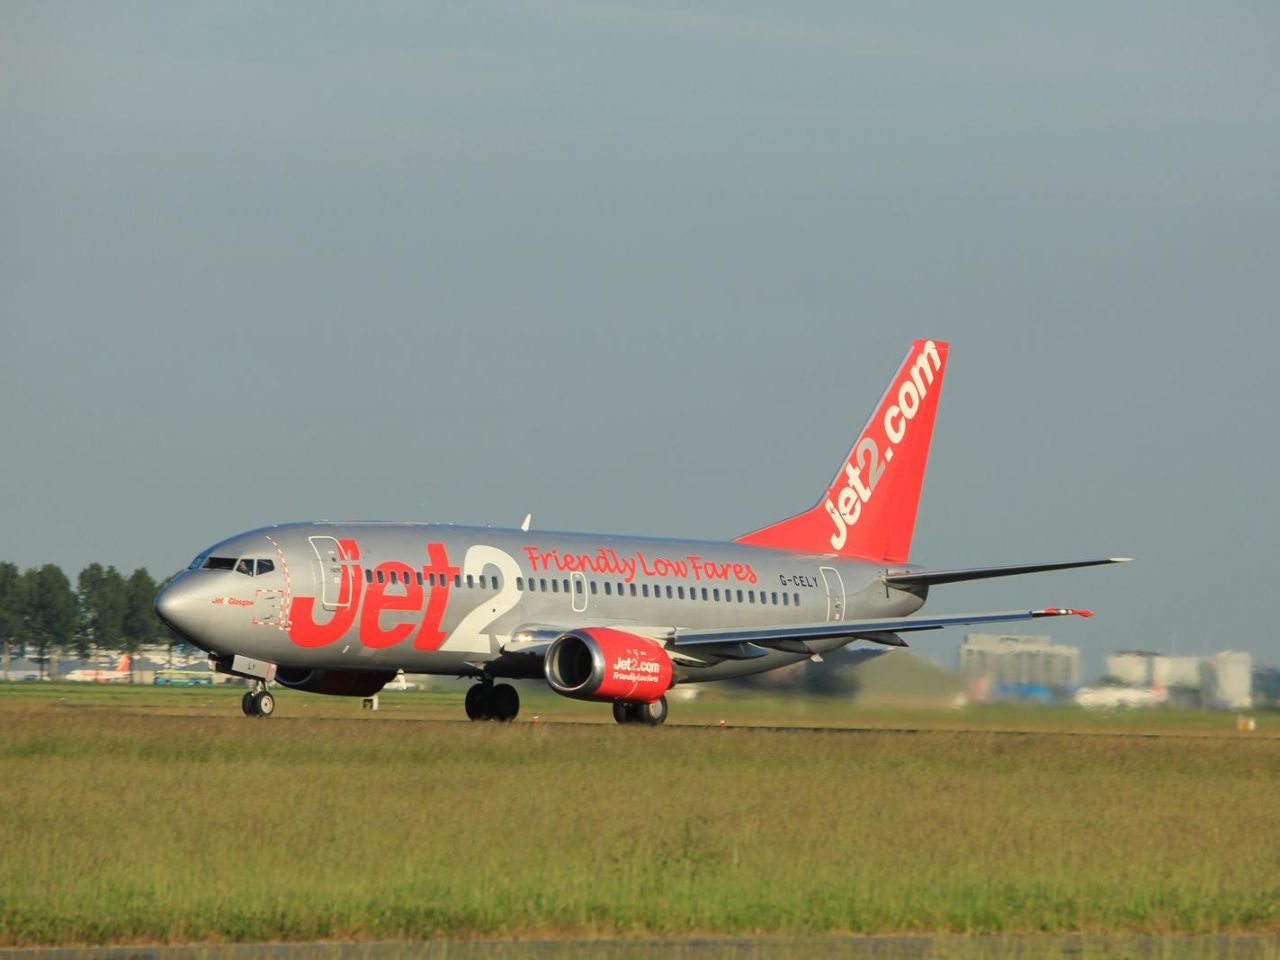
x=650, y=714
x=258, y=702
x=489, y=701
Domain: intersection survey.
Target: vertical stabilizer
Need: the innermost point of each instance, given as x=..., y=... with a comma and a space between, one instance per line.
x=869, y=510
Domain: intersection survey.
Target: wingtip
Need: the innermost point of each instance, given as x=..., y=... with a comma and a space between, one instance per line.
x=1120, y=559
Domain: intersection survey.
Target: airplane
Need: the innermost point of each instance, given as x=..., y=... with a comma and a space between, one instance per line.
x=340, y=608
x=119, y=674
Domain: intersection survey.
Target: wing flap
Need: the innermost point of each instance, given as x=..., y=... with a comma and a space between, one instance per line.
x=874, y=630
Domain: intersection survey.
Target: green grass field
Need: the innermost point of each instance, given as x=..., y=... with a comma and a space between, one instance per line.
x=142, y=815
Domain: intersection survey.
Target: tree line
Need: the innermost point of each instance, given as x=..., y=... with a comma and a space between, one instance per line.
x=42, y=613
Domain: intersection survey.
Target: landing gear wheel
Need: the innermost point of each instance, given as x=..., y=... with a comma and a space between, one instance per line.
x=475, y=702
x=266, y=703
x=624, y=712
x=249, y=704
x=652, y=714
x=503, y=703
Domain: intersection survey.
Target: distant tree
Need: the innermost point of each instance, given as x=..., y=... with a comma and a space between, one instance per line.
x=141, y=625
x=52, y=610
x=102, y=596
x=1266, y=684
x=13, y=603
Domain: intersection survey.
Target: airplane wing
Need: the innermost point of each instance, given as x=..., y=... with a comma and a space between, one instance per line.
x=880, y=630
x=926, y=578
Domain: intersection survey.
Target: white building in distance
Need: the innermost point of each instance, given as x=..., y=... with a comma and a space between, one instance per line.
x=1143, y=668
x=1006, y=658
x=1227, y=680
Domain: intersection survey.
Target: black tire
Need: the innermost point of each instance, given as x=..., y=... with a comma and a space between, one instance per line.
x=475, y=702
x=249, y=704
x=624, y=712
x=504, y=703
x=266, y=704
x=652, y=714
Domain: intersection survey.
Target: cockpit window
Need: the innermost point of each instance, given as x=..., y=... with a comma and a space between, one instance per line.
x=219, y=563
x=245, y=566
x=265, y=566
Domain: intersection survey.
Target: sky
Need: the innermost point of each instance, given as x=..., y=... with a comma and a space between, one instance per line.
x=647, y=268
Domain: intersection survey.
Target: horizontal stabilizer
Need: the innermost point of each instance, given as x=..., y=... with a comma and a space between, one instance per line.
x=929, y=578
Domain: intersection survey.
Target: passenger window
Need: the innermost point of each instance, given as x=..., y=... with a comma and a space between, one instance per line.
x=608, y=589
x=392, y=575
x=739, y=596
x=519, y=583
x=775, y=599
x=265, y=566
x=368, y=576
x=668, y=591
x=577, y=587
x=381, y=577
x=457, y=580
x=715, y=594
x=644, y=590
x=542, y=585
x=680, y=592
x=785, y=600
x=704, y=593
x=751, y=596
x=593, y=588
x=633, y=589
x=555, y=586
x=418, y=575
x=796, y=598
x=566, y=585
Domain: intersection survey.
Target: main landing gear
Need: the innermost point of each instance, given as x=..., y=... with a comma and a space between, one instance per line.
x=650, y=714
x=489, y=701
x=258, y=702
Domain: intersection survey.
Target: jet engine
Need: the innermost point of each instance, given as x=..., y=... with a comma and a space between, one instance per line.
x=337, y=683
x=603, y=664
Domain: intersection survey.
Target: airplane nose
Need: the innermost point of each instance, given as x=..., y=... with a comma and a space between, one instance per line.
x=178, y=605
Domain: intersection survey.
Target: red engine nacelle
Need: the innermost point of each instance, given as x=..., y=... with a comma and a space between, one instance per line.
x=603, y=664
x=336, y=683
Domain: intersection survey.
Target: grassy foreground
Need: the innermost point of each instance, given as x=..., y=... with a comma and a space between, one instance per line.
x=162, y=824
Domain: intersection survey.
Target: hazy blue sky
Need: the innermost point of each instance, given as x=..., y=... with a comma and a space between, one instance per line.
x=647, y=268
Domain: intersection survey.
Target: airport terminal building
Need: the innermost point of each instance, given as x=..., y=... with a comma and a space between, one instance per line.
x=1012, y=660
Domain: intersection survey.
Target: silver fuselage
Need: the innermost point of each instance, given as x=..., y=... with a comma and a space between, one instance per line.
x=454, y=600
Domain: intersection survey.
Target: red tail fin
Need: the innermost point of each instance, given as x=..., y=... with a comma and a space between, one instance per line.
x=123, y=665
x=869, y=510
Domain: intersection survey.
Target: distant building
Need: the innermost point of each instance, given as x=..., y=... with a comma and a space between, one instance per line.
x=1131, y=667
x=1227, y=680
x=1146, y=668
x=1176, y=672
x=1010, y=660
